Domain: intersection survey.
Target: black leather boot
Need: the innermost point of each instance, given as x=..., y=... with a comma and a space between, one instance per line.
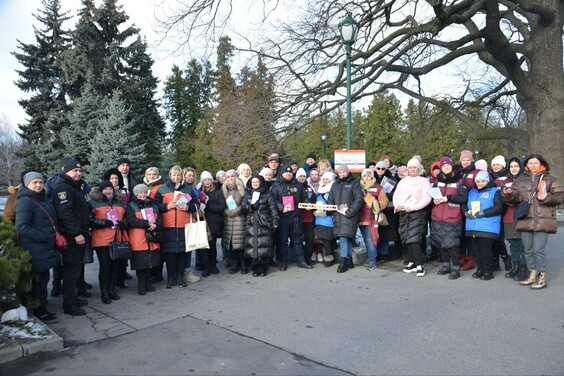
x=513, y=271
x=112, y=290
x=148, y=286
x=105, y=296
x=522, y=273
x=343, y=265
x=141, y=282
x=350, y=263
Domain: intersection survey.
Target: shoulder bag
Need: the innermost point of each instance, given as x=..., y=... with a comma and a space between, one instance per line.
x=60, y=240
x=522, y=208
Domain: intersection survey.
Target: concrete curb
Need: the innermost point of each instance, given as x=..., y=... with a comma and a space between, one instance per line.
x=14, y=352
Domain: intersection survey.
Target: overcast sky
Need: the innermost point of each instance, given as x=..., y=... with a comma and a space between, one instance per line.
x=17, y=21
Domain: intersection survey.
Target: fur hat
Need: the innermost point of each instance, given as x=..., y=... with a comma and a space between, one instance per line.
x=310, y=155
x=206, y=175
x=466, y=154
x=123, y=160
x=481, y=165
x=31, y=176
x=140, y=188
x=414, y=162
x=499, y=159
x=446, y=160
x=70, y=164
x=105, y=184
x=482, y=175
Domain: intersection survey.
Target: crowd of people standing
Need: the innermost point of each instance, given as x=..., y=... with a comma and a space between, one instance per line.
x=468, y=208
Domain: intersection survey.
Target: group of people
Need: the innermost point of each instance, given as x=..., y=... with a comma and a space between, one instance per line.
x=313, y=209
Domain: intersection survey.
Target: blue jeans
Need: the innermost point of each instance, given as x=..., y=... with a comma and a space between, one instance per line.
x=345, y=244
x=382, y=248
x=370, y=247
x=188, y=261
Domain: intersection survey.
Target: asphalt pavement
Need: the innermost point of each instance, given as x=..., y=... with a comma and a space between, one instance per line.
x=318, y=322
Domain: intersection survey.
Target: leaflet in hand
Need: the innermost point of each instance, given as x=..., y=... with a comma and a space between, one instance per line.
x=407, y=200
x=387, y=184
x=342, y=209
x=184, y=199
x=288, y=201
x=148, y=215
x=112, y=215
x=369, y=199
x=231, y=204
x=435, y=193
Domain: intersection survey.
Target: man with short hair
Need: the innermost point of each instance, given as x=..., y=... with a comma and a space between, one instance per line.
x=73, y=219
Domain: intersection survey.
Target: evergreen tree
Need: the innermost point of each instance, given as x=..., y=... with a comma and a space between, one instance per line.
x=41, y=76
x=113, y=138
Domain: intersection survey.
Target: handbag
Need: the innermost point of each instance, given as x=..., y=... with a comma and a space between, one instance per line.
x=60, y=240
x=154, y=236
x=522, y=208
x=374, y=229
x=382, y=219
x=196, y=234
x=120, y=250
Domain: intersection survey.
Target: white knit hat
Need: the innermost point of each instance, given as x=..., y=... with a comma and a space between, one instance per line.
x=300, y=172
x=206, y=175
x=499, y=159
x=414, y=162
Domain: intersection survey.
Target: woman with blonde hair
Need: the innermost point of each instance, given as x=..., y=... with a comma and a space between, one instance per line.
x=244, y=171
x=153, y=180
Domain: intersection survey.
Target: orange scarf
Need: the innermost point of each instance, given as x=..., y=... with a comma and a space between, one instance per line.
x=542, y=169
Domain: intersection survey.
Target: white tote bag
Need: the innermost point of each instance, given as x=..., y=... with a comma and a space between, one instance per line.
x=196, y=235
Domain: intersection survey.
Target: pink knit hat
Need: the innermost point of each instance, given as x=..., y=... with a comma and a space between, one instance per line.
x=466, y=154
x=481, y=165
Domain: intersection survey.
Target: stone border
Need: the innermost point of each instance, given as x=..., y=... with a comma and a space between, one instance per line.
x=10, y=353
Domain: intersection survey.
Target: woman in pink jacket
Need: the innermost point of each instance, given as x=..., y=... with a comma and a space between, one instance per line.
x=410, y=200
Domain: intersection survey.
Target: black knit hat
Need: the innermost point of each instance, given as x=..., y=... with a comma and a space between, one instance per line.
x=123, y=160
x=310, y=155
x=70, y=164
x=287, y=168
x=105, y=184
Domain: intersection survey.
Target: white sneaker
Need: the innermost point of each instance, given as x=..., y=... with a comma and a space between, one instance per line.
x=314, y=257
x=410, y=268
x=420, y=271
x=191, y=277
x=328, y=258
x=319, y=257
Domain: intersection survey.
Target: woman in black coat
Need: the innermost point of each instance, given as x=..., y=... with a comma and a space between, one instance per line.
x=35, y=223
x=262, y=219
x=347, y=194
x=214, y=216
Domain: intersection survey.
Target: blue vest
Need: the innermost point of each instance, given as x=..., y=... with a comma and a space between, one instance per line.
x=484, y=224
x=323, y=221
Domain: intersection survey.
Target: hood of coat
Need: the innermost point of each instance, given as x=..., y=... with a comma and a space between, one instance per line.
x=24, y=191
x=14, y=189
x=262, y=188
x=97, y=195
x=114, y=171
x=453, y=177
x=515, y=159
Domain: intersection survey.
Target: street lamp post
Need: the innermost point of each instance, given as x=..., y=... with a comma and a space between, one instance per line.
x=349, y=31
x=324, y=138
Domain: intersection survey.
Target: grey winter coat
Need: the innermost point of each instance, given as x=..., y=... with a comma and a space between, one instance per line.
x=347, y=191
x=233, y=236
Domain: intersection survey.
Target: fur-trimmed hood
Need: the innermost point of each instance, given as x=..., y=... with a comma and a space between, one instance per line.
x=97, y=195
x=14, y=189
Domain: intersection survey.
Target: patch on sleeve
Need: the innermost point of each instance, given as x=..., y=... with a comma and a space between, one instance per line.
x=62, y=196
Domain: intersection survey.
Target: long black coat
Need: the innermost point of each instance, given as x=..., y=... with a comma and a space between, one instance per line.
x=35, y=231
x=262, y=218
x=214, y=211
x=412, y=226
x=73, y=212
x=347, y=191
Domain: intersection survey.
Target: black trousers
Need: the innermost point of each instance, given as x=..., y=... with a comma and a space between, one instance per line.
x=452, y=255
x=108, y=267
x=482, y=250
x=72, y=266
x=39, y=283
x=174, y=263
x=308, y=238
x=414, y=253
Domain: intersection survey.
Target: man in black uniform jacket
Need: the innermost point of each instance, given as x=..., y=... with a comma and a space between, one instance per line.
x=72, y=217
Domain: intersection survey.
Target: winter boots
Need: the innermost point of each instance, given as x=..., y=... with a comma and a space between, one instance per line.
x=522, y=273
x=343, y=266
x=513, y=272
x=540, y=283
x=532, y=278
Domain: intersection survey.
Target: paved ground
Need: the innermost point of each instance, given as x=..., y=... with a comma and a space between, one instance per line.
x=319, y=322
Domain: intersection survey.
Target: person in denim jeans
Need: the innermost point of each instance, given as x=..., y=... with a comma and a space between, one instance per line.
x=375, y=200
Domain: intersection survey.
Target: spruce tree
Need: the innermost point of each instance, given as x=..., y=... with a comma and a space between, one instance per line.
x=41, y=76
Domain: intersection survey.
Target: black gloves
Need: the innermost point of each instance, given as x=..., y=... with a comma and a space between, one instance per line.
x=122, y=225
x=479, y=214
x=108, y=223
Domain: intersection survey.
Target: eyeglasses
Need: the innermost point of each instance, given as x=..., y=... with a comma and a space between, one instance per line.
x=380, y=168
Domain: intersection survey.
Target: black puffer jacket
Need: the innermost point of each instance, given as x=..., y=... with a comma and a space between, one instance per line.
x=214, y=210
x=288, y=188
x=73, y=212
x=349, y=192
x=35, y=231
x=412, y=226
x=262, y=219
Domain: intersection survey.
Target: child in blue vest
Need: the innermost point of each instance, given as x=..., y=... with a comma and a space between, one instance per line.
x=483, y=221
